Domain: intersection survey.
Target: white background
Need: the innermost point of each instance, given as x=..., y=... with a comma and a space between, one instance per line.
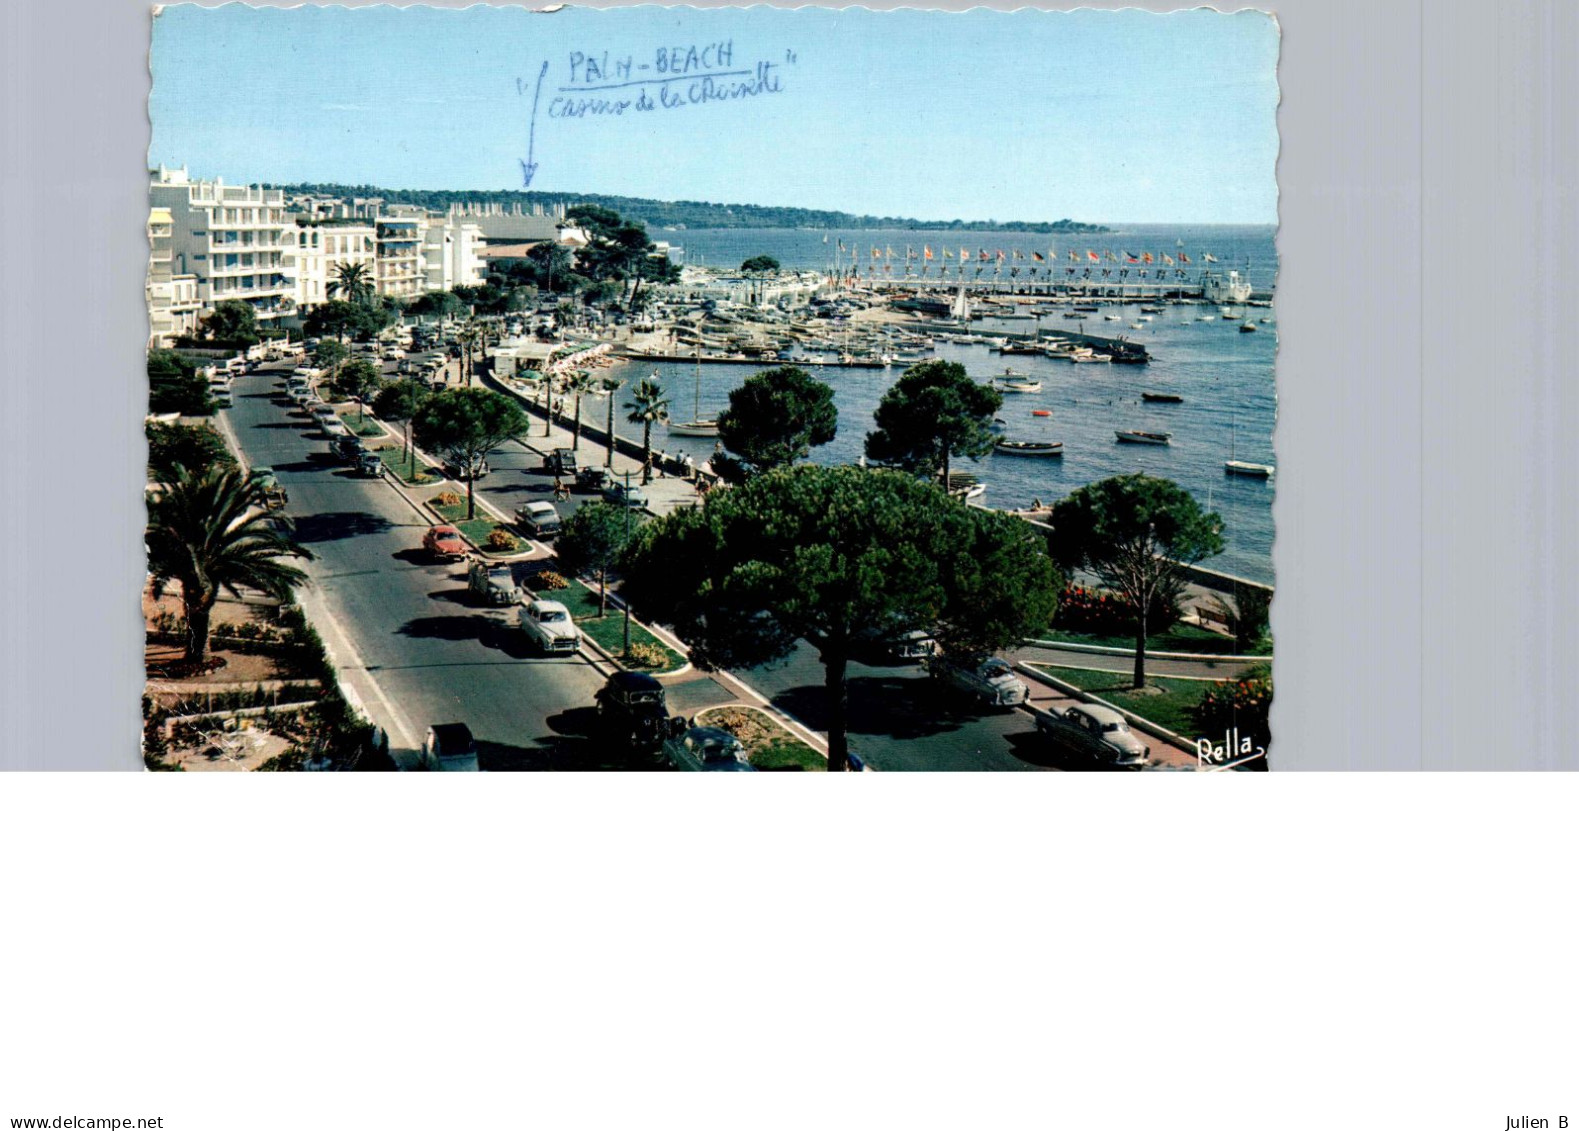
x=1235, y=951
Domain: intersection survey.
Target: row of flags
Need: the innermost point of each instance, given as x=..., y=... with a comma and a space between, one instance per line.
x=999, y=255
x=1085, y=273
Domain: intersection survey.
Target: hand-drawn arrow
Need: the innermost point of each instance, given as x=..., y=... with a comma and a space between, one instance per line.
x=529, y=167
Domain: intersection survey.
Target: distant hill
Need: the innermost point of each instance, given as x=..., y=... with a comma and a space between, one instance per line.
x=688, y=213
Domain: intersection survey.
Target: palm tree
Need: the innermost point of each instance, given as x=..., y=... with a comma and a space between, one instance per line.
x=351, y=280
x=470, y=336
x=210, y=531
x=647, y=406
x=580, y=383
x=611, y=385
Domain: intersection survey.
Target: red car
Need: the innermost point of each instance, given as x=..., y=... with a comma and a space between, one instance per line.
x=444, y=542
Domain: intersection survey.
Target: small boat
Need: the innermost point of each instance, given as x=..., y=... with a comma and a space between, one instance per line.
x=1012, y=382
x=1137, y=325
x=1089, y=358
x=1110, y=318
x=1030, y=447
x=1253, y=470
x=1041, y=412
x=1162, y=398
x=1264, y=321
x=1151, y=310
x=697, y=425
x=1247, y=328
x=1075, y=314
x=1143, y=437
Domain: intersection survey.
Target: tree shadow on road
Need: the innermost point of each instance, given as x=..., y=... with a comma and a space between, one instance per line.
x=886, y=705
x=447, y=628
x=574, y=745
x=335, y=525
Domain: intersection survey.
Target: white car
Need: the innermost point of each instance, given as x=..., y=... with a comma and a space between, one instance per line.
x=540, y=518
x=992, y=681
x=548, y=626
x=1101, y=731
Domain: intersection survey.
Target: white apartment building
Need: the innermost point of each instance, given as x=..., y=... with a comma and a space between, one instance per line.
x=401, y=268
x=315, y=249
x=173, y=304
x=230, y=238
x=452, y=254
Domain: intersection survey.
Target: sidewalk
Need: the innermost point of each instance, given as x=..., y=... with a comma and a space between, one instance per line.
x=667, y=492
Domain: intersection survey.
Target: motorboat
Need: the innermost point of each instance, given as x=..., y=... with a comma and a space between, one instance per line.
x=1044, y=448
x=1012, y=382
x=1110, y=318
x=1137, y=325
x=1251, y=470
x=1247, y=328
x=1041, y=412
x=1144, y=437
x=1089, y=358
x=1162, y=398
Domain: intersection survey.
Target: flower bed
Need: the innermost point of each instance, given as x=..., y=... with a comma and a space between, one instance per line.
x=769, y=746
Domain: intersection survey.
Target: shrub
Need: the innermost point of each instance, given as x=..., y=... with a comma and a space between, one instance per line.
x=447, y=499
x=646, y=656
x=1103, y=613
x=1245, y=704
x=501, y=539
x=548, y=579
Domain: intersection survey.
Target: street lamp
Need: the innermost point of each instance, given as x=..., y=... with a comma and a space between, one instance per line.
x=623, y=600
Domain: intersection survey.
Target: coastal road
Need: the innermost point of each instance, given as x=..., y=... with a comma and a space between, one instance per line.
x=435, y=656
x=901, y=720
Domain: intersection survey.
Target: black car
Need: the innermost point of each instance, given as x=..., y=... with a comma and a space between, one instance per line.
x=368, y=465
x=632, y=710
x=456, y=469
x=560, y=461
x=348, y=448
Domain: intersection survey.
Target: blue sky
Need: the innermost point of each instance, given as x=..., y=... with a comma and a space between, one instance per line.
x=1031, y=115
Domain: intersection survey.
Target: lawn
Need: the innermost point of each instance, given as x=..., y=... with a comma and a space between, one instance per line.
x=477, y=529
x=415, y=474
x=768, y=745
x=1179, y=638
x=368, y=427
x=609, y=632
x=1171, y=706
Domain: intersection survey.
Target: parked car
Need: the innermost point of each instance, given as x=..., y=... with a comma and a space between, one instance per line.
x=621, y=495
x=631, y=709
x=539, y=519
x=273, y=494
x=322, y=412
x=593, y=478
x=1099, y=731
x=706, y=748
x=915, y=645
x=456, y=469
x=495, y=583
x=992, y=680
x=347, y=448
x=449, y=746
x=560, y=461
x=444, y=543
x=220, y=394
x=368, y=465
x=549, y=627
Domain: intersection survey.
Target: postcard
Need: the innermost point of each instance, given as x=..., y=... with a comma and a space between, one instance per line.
x=737, y=389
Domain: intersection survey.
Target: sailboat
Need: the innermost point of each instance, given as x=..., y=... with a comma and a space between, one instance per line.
x=1239, y=466
x=696, y=426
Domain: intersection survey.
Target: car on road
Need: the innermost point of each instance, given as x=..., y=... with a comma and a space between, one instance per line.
x=538, y=519
x=991, y=680
x=549, y=628
x=322, y=412
x=445, y=543
x=560, y=461
x=631, y=709
x=593, y=478
x=220, y=394
x=457, y=468
x=368, y=465
x=273, y=494
x=706, y=748
x=621, y=494
x=495, y=583
x=347, y=448
x=1098, y=731
x=914, y=645
x=449, y=746
x=334, y=429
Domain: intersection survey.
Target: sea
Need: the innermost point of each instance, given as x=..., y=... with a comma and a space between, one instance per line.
x=1225, y=377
